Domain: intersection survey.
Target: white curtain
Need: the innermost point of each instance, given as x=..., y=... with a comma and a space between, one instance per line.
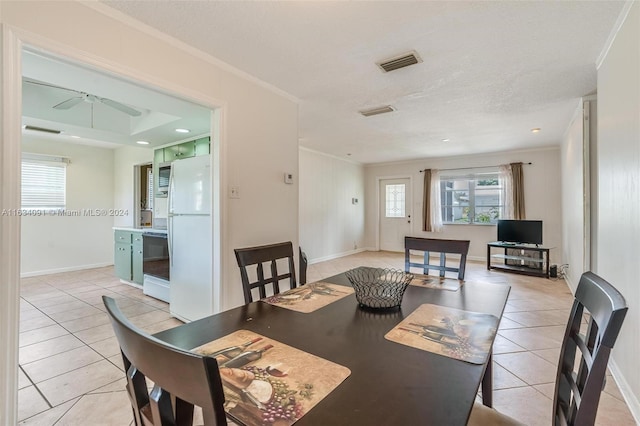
x=506, y=178
x=434, y=202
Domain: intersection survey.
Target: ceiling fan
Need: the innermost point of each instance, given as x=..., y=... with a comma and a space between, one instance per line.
x=86, y=97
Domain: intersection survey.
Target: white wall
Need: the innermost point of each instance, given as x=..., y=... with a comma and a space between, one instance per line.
x=124, y=159
x=330, y=225
x=542, y=196
x=619, y=193
x=572, y=199
x=259, y=125
x=52, y=244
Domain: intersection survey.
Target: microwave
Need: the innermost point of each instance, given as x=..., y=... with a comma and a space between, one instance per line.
x=164, y=173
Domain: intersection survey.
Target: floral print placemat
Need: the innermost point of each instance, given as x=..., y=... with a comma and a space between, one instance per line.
x=309, y=297
x=267, y=382
x=454, y=333
x=441, y=283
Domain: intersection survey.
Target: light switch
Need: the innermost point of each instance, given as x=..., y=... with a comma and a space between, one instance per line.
x=234, y=192
x=288, y=178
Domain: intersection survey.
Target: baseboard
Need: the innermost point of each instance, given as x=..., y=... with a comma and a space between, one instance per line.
x=625, y=390
x=67, y=269
x=336, y=256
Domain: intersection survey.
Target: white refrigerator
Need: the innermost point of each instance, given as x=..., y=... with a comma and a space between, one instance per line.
x=190, y=239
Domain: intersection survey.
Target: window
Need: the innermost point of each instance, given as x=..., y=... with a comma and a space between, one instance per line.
x=473, y=198
x=395, y=200
x=150, y=188
x=43, y=182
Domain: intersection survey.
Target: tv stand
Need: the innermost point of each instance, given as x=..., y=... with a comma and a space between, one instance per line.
x=519, y=258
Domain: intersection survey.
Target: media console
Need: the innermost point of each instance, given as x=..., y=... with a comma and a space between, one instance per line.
x=527, y=259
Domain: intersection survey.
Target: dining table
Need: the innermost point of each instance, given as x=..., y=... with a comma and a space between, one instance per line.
x=390, y=383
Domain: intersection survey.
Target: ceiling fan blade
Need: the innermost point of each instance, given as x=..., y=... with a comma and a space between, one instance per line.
x=120, y=107
x=40, y=83
x=69, y=103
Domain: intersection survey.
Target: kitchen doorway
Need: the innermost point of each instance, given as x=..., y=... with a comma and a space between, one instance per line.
x=143, y=194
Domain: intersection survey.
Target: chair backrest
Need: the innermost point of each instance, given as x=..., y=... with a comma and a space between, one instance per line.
x=580, y=378
x=250, y=256
x=303, y=267
x=182, y=379
x=444, y=247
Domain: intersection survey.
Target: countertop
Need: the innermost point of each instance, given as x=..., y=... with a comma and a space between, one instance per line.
x=132, y=229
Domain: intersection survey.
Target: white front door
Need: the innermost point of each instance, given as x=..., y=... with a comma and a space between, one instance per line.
x=395, y=213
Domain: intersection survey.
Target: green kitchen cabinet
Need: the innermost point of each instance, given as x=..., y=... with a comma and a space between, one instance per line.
x=180, y=151
x=127, y=257
x=203, y=146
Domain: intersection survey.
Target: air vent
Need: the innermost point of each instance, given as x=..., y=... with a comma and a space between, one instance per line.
x=42, y=129
x=376, y=111
x=398, y=62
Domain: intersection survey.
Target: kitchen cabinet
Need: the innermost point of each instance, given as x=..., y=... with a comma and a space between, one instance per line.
x=203, y=146
x=127, y=257
x=194, y=148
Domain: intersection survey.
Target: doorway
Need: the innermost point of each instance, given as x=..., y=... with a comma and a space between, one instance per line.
x=394, y=213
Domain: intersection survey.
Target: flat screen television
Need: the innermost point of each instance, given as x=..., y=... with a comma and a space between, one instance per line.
x=520, y=231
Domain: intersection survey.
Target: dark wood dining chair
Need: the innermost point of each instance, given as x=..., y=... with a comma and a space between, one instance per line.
x=182, y=379
x=303, y=263
x=580, y=379
x=444, y=247
x=257, y=256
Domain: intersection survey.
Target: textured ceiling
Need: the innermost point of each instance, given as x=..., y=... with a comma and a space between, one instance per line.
x=492, y=71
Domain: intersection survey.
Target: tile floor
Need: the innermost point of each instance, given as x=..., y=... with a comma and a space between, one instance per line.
x=70, y=368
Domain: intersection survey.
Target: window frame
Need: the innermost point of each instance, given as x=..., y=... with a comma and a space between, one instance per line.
x=32, y=179
x=473, y=192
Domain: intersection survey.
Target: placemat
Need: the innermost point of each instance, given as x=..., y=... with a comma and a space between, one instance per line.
x=267, y=382
x=454, y=333
x=441, y=283
x=309, y=297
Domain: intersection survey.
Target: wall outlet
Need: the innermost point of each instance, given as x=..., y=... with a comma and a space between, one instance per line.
x=288, y=178
x=234, y=192
x=354, y=201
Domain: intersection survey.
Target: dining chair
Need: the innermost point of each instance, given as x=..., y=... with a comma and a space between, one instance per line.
x=303, y=263
x=444, y=247
x=181, y=379
x=257, y=256
x=583, y=357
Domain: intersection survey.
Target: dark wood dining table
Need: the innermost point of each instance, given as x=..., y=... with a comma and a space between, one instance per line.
x=390, y=383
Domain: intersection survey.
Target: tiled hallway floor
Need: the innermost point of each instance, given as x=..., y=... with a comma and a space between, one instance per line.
x=70, y=367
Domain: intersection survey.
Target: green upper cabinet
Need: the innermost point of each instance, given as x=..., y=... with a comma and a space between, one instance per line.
x=203, y=146
x=180, y=151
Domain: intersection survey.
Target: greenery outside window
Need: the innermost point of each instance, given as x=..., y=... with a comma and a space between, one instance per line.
x=472, y=199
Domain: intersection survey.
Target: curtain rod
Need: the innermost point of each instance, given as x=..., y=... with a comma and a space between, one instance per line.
x=469, y=168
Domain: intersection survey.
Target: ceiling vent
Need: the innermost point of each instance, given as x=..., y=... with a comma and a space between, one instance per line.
x=42, y=129
x=401, y=61
x=376, y=111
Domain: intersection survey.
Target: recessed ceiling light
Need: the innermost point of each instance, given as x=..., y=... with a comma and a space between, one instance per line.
x=143, y=142
x=446, y=140
x=535, y=130
x=75, y=137
x=183, y=130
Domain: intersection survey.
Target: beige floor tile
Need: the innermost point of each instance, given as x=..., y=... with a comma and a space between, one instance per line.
x=528, y=367
x=539, y=318
x=23, y=380
x=503, y=379
x=75, y=314
x=78, y=382
x=95, y=334
x=503, y=345
x=48, y=348
x=54, y=309
x=49, y=417
x=107, y=347
x=535, y=338
x=547, y=389
x=31, y=314
x=149, y=318
x=117, y=361
x=162, y=326
x=62, y=298
x=551, y=355
x=612, y=411
x=117, y=386
x=34, y=323
x=507, y=324
x=524, y=404
x=36, y=297
x=30, y=403
x=137, y=309
x=41, y=334
x=86, y=322
x=55, y=365
x=111, y=408
x=612, y=389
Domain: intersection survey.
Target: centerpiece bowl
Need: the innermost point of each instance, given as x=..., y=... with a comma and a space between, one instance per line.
x=379, y=288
